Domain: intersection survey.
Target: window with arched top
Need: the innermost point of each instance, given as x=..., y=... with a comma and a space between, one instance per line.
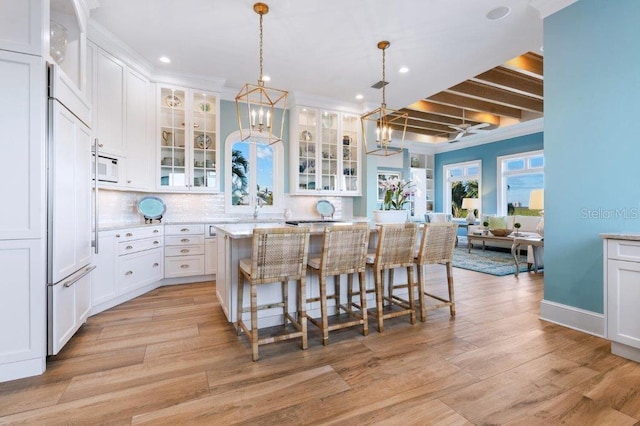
x=254, y=175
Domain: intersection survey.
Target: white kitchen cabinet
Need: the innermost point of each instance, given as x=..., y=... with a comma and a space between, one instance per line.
x=325, y=153
x=21, y=26
x=210, y=255
x=622, y=290
x=184, y=250
x=129, y=263
x=139, y=168
x=188, y=139
x=109, y=102
x=22, y=309
x=23, y=132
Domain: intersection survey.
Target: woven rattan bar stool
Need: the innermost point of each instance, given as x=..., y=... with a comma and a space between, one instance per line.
x=278, y=255
x=436, y=246
x=395, y=249
x=344, y=251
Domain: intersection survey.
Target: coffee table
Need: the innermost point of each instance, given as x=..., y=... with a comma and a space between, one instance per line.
x=484, y=238
x=536, y=242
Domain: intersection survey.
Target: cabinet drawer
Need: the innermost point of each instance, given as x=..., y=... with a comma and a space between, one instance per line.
x=137, y=233
x=183, y=240
x=184, y=229
x=135, y=246
x=183, y=250
x=138, y=269
x=183, y=266
x=624, y=250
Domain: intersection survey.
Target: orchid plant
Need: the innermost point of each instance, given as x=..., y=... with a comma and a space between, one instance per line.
x=396, y=193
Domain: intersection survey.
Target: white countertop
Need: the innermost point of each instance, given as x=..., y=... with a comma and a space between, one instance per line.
x=244, y=230
x=621, y=236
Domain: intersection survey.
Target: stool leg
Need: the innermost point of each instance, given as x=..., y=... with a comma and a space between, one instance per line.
x=390, y=286
x=350, y=293
x=379, y=305
x=254, y=322
x=302, y=314
x=363, y=303
x=337, y=292
x=452, y=307
x=323, y=309
x=421, y=290
x=410, y=294
x=285, y=302
x=240, y=302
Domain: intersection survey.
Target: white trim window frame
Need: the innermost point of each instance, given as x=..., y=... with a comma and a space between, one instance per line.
x=467, y=174
x=278, y=178
x=529, y=166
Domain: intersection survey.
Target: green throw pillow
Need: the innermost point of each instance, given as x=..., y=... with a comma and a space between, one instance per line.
x=499, y=222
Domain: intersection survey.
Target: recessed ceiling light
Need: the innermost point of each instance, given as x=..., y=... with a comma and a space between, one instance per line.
x=164, y=59
x=359, y=96
x=498, y=13
x=403, y=70
x=266, y=78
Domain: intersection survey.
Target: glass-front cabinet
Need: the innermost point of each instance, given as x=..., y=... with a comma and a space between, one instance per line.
x=188, y=139
x=325, y=152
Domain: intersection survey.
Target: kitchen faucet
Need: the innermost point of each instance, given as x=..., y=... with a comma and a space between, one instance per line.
x=258, y=204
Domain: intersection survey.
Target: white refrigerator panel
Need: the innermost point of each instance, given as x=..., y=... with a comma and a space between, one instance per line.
x=69, y=193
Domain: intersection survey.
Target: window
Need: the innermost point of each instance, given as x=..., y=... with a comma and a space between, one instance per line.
x=517, y=175
x=462, y=180
x=250, y=178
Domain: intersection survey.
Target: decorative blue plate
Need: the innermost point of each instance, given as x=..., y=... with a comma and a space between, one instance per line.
x=325, y=208
x=151, y=207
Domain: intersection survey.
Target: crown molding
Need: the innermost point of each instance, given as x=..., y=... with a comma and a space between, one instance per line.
x=549, y=7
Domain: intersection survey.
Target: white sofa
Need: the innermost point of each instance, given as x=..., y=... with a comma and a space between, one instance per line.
x=528, y=227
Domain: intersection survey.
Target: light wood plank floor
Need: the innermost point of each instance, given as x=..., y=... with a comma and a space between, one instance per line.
x=169, y=357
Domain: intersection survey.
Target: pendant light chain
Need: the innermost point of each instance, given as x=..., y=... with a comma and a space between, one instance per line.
x=260, y=78
x=384, y=79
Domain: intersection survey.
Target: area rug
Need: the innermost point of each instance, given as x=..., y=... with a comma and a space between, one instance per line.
x=487, y=261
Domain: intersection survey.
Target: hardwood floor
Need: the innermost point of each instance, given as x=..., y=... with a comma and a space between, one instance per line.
x=170, y=357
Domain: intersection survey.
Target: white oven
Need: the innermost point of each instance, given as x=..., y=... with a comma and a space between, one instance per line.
x=107, y=168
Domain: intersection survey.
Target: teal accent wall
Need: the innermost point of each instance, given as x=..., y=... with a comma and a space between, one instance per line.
x=488, y=154
x=229, y=124
x=592, y=82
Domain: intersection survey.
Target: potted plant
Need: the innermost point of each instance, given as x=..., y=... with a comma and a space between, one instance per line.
x=486, y=227
x=396, y=194
x=517, y=225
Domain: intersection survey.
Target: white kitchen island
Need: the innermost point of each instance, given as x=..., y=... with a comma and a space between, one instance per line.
x=234, y=243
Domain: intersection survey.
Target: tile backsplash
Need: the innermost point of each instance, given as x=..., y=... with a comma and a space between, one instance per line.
x=121, y=207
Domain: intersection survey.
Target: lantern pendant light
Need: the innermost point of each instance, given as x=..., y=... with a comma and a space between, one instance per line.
x=256, y=104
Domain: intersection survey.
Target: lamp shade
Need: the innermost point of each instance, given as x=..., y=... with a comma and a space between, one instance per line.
x=536, y=199
x=469, y=203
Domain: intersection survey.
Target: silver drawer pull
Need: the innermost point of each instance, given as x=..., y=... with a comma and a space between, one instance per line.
x=156, y=242
x=184, y=251
x=128, y=247
x=129, y=234
x=184, y=266
x=184, y=240
x=184, y=230
x=156, y=264
x=155, y=231
x=129, y=273
x=117, y=235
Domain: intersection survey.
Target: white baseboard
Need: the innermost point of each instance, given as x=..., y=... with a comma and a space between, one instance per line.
x=21, y=369
x=572, y=317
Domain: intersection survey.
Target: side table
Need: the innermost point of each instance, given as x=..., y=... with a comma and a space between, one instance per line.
x=535, y=242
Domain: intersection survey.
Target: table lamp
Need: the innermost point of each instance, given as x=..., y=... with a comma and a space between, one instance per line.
x=536, y=202
x=470, y=204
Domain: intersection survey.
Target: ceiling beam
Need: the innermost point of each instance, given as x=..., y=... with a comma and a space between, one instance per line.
x=500, y=96
x=530, y=63
x=511, y=80
x=449, y=115
x=453, y=99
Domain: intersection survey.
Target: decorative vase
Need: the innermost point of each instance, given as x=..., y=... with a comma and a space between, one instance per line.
x=390, y=216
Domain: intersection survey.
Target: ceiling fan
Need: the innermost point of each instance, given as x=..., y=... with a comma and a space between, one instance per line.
x=465, y=129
